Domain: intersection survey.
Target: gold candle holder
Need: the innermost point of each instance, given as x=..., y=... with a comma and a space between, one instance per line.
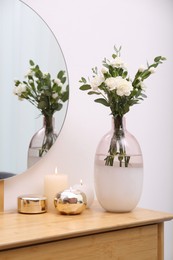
x=70, y=202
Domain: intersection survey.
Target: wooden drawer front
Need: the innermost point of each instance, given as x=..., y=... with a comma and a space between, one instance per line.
x=139, y=243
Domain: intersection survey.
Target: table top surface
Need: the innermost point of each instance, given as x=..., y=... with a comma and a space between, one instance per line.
x=27, y=229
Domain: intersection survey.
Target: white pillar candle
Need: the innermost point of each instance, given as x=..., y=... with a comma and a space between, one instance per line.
x=54, y=183
x=87, y=190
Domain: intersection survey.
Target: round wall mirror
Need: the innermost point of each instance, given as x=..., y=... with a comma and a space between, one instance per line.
x=24, y=36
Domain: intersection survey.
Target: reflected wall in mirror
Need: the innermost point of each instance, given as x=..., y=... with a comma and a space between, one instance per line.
x=24, y=37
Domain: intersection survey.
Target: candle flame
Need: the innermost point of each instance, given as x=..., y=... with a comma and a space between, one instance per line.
x=56, y=170
x=81, y=182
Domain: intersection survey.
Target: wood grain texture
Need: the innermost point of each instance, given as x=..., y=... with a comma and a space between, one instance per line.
x=21, y=229
x=41, y=232
x=134, y=243
x=1, y=195
x=161, y=241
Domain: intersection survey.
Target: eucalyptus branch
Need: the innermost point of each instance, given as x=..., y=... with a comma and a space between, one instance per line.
x=41, y=91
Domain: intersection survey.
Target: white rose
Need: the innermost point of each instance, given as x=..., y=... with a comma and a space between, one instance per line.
x=30, y=81
x=54, y=96
x=124, y=87
x=141, y=68
x=104, y=70
x=23, y=87
x=58, y=82
x=117, y=63
x=30, y=73
x=20, y=89
x=152, y=70
x=111, y=83
x=96, y=81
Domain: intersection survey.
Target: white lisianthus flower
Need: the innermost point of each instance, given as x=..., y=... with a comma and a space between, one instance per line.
x=58, y=82
x=141, y=68
x=30, y=73
x=117, y=63
x=30, y=81
x=124, y=87
x=96, y=81
x=111, y=83
x=19, y=89
x=152, y=70
x=104, y=70
x=54, y=95
x=143, y=86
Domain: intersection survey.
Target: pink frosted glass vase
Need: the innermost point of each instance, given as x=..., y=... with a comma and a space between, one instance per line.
x=42, y=140
x=118, y=169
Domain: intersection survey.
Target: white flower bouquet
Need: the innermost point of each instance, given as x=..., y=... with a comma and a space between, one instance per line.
x=43, y=92
x=117, y=90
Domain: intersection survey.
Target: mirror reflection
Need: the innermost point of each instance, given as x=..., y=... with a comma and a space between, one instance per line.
x=24, y=37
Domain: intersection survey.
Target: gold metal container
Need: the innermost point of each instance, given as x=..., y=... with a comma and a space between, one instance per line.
x=70, y=202
x=32, y=204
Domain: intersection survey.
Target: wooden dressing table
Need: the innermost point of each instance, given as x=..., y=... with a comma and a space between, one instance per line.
x=94, y=234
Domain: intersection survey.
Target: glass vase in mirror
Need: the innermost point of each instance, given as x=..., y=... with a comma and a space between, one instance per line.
x=48, y=96
x=42, y=141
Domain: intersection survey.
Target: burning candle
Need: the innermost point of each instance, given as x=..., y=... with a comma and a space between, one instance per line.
x=87, y=190
x=54, y=183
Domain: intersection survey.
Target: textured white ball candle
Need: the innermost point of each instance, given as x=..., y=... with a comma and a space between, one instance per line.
x=87, y=190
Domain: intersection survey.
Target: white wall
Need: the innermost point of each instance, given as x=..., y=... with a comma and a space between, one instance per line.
x=87, y=32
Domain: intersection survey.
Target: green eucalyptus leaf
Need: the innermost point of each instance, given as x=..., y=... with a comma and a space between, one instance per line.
x=65, y=96
x=146, y=74
x=114, y=56
x=106, y=66
x=56, y=89
x=60, y=74
x=102, y=101
x=31, y=63
x=143, y=95
x=124, y=74
x=63, y=80
x=158, y=58
x=93, y=92
x=83, y=80
x=85, y=87
x=57, y=106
